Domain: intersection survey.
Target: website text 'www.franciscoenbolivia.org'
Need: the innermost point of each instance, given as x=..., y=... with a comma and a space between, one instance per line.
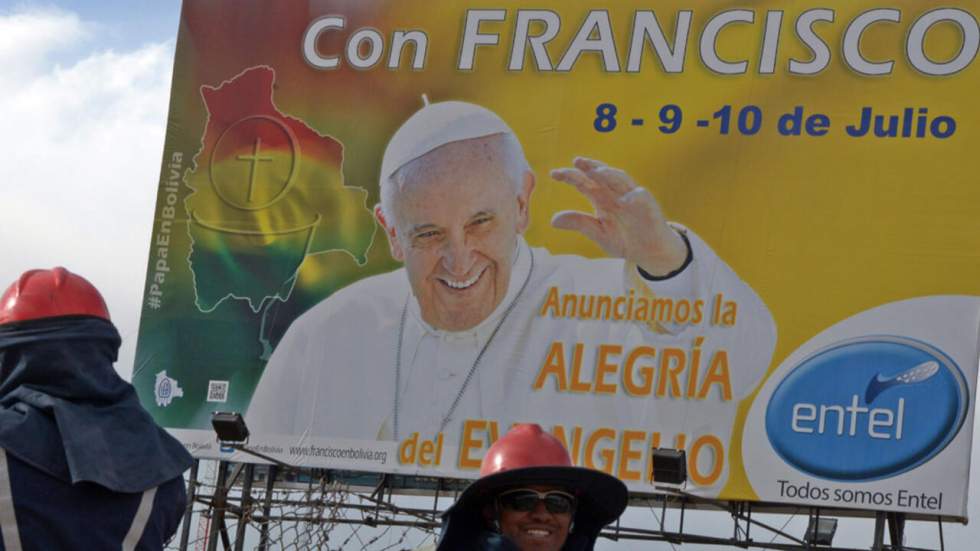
x=359, y=454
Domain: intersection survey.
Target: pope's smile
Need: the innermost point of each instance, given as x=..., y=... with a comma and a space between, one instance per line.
x=461, y=285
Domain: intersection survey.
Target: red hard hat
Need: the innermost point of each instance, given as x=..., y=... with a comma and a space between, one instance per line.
x=525, y=445
x=527, y=455
x=41, y=294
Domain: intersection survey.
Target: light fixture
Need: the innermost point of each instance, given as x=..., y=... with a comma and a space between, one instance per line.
x=669, y=466
x=230, y=427
x=820, y=531
x=233, y=432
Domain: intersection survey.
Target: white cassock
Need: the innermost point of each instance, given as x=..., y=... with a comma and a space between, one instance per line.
x=335, y=371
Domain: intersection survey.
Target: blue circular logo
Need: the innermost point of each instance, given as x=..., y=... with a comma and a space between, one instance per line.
x=867, y=409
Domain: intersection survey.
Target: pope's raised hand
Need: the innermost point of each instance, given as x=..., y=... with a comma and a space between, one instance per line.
x=627, y=221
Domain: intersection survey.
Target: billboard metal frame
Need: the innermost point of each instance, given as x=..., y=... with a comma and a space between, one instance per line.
x=243, y=496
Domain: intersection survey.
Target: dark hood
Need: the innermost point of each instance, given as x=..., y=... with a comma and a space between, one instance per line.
x=65, y=411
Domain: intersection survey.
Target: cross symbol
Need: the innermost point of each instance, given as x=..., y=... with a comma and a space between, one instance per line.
x=255, y=159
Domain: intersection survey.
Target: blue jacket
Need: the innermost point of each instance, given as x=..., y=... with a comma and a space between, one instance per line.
x=86, y=467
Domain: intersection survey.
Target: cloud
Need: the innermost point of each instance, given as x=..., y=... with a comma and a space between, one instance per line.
x=27, y=38
x=81, y=147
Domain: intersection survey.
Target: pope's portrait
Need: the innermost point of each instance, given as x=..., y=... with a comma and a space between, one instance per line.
x=478, y=324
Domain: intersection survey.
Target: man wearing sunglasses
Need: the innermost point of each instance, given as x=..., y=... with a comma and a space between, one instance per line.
x=530, y=497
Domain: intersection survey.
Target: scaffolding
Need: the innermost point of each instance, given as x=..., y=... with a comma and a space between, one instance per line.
x=238, y=506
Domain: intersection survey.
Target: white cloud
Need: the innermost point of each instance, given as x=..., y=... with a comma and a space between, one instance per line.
x=27, y=38
x=81, y=147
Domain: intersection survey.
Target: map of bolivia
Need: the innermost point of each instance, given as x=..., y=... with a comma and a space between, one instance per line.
x=267, y=191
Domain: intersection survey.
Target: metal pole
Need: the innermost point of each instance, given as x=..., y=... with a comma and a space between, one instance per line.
x=218, y=504
x=816, y=524
x=246, y=507
x=435, y=499
x=896, y=530
x=809, y=520
x=185, y=531
x=680, y=529
x=748, y=523
x=267, y=508
x=879, y=541
x=734, y=513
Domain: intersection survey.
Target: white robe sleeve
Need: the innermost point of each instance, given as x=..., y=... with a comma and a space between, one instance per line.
x=271, y=410
x=332, y=374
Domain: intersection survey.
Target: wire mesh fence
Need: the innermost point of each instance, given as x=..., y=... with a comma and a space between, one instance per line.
x=299, y=510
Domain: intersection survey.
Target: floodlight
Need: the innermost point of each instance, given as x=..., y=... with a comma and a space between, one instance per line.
x=820, y=531
x=230, y=427
x=669, y=466
x=233, y=433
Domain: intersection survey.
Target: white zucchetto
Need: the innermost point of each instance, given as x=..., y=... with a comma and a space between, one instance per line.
x=435, y=125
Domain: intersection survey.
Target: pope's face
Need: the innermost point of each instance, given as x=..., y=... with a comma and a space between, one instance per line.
x=456, y=216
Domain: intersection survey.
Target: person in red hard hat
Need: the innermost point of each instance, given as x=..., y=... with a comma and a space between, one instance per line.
x=82, y=464
x=530, y=497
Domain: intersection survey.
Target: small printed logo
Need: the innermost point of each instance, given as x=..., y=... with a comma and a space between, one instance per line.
x=166, y=389
x=867, y=408
x=218, y=391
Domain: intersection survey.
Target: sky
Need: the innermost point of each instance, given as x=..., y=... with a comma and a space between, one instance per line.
x=85, y=88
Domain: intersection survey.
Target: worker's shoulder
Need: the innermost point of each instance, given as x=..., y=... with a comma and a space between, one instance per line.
x=376, y=295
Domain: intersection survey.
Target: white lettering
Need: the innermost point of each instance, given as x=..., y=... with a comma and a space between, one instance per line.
x=646, y=27
x=854, y=410
x=597, y=22
x=472, y=37
x=917, y=36
x=878, y=419
x=709, y=41
x=770, y=43
x=798, y=415
x=821, y=53
x=522, y=37
x=901, y=418
x=375, y=48
x=823, y=418
x=400, y=40
x=874, y=422
x=852, y=42
x=310, y=52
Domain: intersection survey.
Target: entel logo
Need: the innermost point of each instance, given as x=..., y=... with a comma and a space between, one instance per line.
x=867, y=408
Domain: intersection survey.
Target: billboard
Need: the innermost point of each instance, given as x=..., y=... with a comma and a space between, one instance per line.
x=385, y=233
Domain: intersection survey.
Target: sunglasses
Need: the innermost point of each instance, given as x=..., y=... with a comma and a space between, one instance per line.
x=525, y=500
